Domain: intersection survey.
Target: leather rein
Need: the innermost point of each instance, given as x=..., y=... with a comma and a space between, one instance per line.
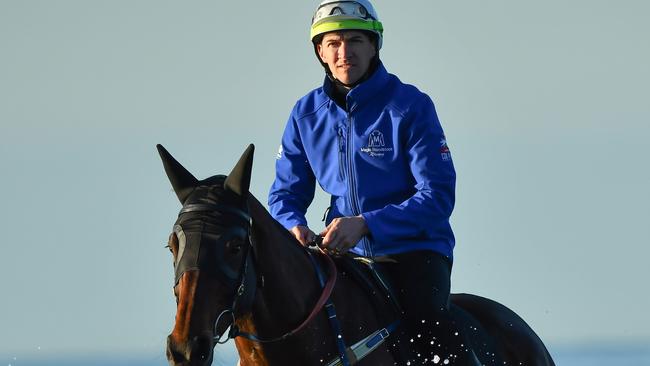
x=244, y=293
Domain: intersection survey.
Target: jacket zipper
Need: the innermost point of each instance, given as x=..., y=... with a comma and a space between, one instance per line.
x=352, y=184
x=341, y=152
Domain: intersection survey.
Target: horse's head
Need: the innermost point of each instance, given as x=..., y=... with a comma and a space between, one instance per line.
x=212, y=256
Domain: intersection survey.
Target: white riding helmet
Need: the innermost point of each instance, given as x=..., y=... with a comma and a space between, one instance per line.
x=334, y=15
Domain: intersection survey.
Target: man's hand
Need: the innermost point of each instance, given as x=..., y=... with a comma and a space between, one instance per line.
x=343, y=233
x=303, y=234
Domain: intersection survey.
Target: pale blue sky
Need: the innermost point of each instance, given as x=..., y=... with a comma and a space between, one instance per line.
x=545, y=106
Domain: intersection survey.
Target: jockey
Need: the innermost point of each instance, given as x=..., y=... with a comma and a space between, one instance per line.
x=376, y=146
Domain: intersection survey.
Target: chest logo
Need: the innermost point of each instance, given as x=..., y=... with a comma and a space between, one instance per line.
x=376, y=145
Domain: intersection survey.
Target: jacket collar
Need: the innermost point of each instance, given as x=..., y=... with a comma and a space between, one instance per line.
x=363, y=92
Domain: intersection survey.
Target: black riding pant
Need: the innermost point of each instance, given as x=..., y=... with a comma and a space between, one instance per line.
x=421, y=282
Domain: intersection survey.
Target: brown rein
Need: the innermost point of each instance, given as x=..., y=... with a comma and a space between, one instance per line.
x=325, y=295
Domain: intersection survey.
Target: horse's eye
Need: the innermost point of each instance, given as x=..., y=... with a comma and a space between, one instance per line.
x=234, y=246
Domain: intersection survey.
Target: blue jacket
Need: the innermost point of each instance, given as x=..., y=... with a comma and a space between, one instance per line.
x=385, y=158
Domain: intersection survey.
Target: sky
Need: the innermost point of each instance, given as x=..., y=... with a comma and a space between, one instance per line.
x=544, y=105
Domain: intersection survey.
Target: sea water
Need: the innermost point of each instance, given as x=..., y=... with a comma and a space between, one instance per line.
x=584, y=355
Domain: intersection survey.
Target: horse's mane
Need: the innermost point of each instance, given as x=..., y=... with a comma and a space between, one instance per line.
x=264, y=224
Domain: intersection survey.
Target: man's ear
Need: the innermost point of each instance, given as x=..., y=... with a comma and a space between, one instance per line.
x=319, y=49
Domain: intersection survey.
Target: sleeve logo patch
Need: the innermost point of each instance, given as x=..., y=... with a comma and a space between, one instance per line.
x=279, y=155
x=444, y=149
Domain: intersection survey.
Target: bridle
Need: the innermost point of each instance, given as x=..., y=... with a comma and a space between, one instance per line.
x=244, y=283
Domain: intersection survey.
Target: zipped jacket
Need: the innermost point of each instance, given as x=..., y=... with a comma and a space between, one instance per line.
x=384, y=157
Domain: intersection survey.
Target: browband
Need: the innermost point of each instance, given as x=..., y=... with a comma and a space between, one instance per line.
x=206, y=207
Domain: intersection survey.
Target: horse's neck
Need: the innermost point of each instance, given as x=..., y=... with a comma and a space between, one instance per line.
x=290, y=283
x=274, y=244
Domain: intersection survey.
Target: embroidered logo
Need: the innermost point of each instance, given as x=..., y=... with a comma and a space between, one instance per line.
x=376, y=145
x=376, y=139
x=444, y=149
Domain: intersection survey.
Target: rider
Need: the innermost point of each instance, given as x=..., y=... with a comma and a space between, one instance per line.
x=377, y=147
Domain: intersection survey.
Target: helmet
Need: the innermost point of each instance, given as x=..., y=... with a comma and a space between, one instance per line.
x=333, y=15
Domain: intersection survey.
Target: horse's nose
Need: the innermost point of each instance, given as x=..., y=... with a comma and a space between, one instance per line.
x=195, y=352
x=175, y=353
x=201, y=350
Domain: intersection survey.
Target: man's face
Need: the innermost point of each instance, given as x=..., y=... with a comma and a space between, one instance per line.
x=347, y=53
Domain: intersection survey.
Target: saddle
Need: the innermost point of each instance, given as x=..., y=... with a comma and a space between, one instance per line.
x=369, y=275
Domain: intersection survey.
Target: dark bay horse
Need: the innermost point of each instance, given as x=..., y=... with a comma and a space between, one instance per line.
x=237, y=268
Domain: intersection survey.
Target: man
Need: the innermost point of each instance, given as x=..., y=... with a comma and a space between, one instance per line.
x=377, y=147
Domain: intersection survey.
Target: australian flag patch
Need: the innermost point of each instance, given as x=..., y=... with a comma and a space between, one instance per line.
x=444, y=149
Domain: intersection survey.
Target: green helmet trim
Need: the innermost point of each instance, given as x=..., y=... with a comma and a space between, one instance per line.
x=346, y=24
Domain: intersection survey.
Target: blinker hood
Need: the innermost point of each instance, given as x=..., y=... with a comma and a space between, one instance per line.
x=204, y=251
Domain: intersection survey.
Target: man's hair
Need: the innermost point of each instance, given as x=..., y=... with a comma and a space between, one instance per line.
x=374, y=38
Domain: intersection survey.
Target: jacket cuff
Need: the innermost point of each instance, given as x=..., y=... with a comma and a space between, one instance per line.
x=373, y=224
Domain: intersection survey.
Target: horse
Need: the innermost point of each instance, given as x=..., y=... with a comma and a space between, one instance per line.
x=238, y=269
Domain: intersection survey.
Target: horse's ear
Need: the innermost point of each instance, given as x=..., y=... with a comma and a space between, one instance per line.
x=182, y=180
x=239, y=179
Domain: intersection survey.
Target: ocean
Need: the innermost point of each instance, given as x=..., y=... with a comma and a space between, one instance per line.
x=585, y=355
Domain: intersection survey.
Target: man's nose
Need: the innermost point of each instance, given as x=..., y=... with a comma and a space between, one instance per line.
x=344, y=51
